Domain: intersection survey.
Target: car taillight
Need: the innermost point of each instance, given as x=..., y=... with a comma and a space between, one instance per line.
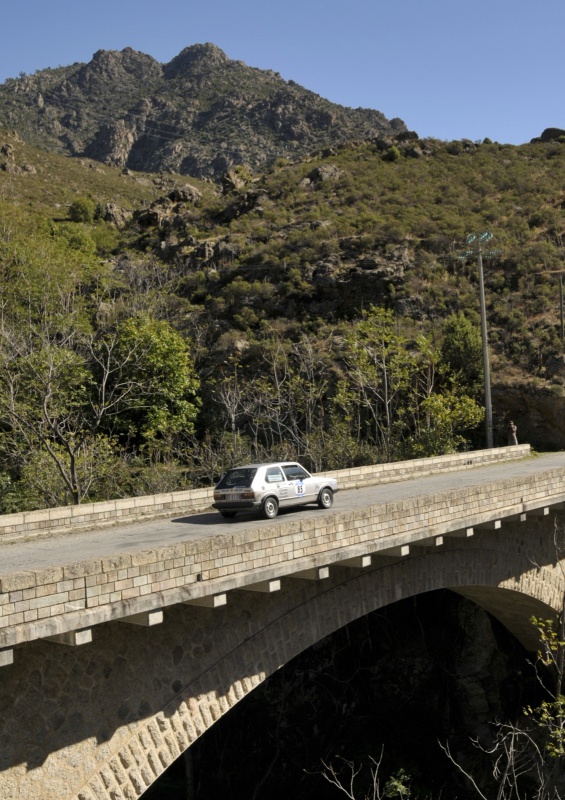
x=248, y=495
x=218, y=496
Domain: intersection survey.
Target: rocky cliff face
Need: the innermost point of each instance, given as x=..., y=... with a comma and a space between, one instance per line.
x=197, y=115
x=537, y=411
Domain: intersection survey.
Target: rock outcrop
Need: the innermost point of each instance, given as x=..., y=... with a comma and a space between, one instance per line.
x=550, y=135
x=539, y=413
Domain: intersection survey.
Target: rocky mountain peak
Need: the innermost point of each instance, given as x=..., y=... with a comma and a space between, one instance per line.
x=195, y=59
x=118, y=67
x=200, y=114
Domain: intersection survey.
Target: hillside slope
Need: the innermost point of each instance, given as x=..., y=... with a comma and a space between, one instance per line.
x=320, y=311
x=313, y=245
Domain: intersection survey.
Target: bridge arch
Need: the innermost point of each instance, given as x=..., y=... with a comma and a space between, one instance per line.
x=136, y=698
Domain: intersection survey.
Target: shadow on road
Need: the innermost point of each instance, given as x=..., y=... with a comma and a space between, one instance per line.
x=215, y=518
x=201, y=519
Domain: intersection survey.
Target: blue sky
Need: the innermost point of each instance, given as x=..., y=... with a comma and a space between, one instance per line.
x=449, y=69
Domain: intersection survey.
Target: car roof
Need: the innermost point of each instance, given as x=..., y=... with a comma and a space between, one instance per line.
x=267, y=464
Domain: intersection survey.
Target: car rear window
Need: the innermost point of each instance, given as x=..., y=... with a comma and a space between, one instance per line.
x=274, y=475
x=237, y=477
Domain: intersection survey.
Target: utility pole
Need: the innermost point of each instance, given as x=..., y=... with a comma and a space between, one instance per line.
x=476, y=241
x=561, y=306
x=484, y=336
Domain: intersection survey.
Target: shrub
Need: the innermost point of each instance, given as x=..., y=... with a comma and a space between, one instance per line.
x=82, y=210
x=392, y=154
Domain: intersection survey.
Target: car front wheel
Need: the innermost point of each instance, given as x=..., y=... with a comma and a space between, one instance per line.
x=325, y=498
x=270, y=508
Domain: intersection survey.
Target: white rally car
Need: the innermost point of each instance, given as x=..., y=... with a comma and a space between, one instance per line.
x=268, y=487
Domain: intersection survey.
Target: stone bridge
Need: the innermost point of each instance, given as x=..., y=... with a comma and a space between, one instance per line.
x=114, y=665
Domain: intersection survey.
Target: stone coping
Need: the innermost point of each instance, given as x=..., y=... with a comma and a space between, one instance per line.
x=28, y=525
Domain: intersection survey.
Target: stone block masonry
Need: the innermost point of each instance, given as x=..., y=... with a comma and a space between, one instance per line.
x=101, y=721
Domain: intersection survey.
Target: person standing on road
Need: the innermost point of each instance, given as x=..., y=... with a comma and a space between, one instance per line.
x=512, y=431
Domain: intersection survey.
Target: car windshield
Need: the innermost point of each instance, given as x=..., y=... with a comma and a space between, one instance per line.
x=294, y=472
x=240, y=477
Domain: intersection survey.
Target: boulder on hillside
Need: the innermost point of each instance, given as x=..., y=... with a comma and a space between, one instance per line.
x=327, y=272
x=8, y=151
x=115, y=215
x=407, y=136
x=250, y=201
x=325, y=172
x=549, y=135
x=232, y=181
x=185, y=194
x=13, y=169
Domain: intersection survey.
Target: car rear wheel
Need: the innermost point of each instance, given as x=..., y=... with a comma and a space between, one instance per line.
x=325, y=498
x=227, y=514
x=270, y=508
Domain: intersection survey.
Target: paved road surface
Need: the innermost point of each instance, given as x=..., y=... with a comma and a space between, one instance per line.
x=71, y=547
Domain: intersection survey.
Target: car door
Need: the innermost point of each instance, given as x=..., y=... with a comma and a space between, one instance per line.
x=301, y=484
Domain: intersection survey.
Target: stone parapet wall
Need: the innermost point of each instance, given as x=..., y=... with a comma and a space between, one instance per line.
x=374, y=474
x=66, y=519
x=46, y=602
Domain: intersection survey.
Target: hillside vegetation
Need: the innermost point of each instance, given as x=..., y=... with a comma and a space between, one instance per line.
x=156, y=328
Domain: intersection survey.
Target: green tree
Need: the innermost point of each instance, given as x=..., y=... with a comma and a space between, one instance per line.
x=446, y=416
x=50, y=402
x=152, y=364
x=461, y=350
x=44, y=269
x=381, y=367
x=72, y=396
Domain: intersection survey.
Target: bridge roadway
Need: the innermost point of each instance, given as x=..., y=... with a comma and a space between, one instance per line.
x=132, y=537
x=61, y=587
